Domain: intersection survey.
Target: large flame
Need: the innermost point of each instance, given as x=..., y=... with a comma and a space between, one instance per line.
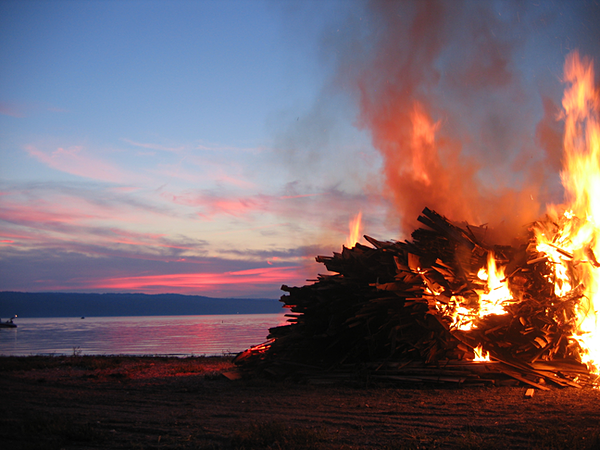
x=572, y=245
x=568, y=240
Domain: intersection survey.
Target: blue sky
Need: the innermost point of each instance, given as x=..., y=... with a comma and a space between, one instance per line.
x=215, y=147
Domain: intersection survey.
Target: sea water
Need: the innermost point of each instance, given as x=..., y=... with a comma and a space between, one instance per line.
x=148, y=335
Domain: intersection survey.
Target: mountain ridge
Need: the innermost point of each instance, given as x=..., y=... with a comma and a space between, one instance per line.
x=72, y=304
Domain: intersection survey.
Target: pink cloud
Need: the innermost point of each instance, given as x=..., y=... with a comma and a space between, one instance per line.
x=235, y=181
x=213, y=205
x=200, y=282
x=35, y=215
x=67, y=225
x=144, y=239
x=196, y=170
x=329, y=210
x=5, y=234
x=39, y=207
x=76, y=161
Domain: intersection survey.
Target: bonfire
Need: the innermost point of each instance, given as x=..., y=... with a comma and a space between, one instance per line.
x=450, y=306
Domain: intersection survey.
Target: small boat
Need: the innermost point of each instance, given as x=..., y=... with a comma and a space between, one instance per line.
x=9, y=323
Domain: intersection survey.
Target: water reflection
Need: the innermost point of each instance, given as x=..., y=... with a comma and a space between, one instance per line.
x=155, y=335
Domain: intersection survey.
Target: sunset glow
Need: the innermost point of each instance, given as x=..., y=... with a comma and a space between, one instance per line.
x=191, y=283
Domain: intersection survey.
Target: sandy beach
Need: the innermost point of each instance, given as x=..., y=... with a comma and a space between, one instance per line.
x=114, y=402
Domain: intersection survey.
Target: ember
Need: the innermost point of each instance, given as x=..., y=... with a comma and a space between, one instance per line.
x=448, y=306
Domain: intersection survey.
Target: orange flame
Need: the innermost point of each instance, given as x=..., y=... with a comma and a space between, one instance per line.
x=480, y=354
x=355, y=230
x=492, y=297
x=572, y=250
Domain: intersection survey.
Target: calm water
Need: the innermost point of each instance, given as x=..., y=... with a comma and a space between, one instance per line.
x=152, y=335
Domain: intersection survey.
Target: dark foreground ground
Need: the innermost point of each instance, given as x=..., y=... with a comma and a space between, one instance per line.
x=85, y=402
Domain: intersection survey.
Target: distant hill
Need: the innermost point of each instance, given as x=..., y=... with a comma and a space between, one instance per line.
x=54, y=304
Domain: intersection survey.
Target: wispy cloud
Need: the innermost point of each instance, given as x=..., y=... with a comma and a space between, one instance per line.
x=200, y=282
x=152, y=146
x=91, y=221
x=119, y=236
x=211, y=204
x=76, y=160
x=329, y=209
x=60, y=270
x=37, y=215
x=298, y=255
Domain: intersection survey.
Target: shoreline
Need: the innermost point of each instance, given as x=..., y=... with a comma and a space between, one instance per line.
x=124, y=401
x=78, y=354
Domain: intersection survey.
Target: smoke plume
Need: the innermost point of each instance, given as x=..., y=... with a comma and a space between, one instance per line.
x=465, y=124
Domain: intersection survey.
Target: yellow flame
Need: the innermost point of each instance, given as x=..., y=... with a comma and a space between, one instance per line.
x=581, y=179
x=491, y=299
x=480, y=355
x=462, y=317
x=573, y=249
x=355, y=230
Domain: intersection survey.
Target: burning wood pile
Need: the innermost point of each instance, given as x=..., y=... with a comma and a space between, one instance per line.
x=448, y=306
x=428, y=309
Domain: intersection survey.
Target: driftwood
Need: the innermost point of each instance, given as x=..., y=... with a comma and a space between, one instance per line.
x=383, y=314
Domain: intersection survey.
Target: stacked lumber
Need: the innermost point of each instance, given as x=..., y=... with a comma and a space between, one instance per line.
x=385, y=311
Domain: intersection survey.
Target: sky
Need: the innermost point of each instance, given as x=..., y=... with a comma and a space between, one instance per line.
x=217, y=147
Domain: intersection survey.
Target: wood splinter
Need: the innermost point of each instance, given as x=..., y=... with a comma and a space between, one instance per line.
x=529, y=393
